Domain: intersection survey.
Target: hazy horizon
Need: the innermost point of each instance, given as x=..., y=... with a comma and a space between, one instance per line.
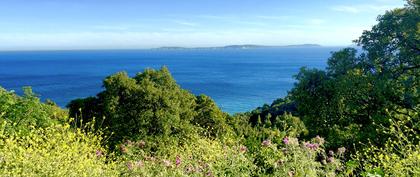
x=93, y=25
x=164, y=47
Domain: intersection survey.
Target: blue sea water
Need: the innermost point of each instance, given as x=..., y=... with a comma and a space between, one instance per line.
x=238, y=80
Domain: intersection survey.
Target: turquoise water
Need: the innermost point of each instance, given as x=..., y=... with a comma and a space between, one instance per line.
x=237, y=79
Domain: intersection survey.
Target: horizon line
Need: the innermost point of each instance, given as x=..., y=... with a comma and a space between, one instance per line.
x=168, y=47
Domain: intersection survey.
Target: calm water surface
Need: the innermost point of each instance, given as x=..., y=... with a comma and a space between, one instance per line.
x=237, y=79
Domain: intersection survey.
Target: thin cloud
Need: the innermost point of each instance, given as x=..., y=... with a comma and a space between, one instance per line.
x=110, y=27
x=349, y=9
x=185, y=23
x=270, y=17
x=316, y=21
x=355, y=9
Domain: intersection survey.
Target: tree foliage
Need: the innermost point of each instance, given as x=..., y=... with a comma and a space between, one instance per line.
x=148, y=104
x=356, y=91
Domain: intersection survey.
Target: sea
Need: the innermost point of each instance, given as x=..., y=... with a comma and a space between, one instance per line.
x=239, y=80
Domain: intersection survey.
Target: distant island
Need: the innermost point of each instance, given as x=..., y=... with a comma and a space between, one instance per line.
x=245, y=46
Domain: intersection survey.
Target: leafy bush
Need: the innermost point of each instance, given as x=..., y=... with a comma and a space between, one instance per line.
x=356, y=90
x=23, y=112
x=151, y=103
x=197, y=157
x=401, y=154
x=57, y=150
x=294, y=158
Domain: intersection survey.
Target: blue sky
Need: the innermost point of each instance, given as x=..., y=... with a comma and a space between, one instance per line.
x=100, y=24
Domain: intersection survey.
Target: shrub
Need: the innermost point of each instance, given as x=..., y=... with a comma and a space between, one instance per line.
x=23, y=112
x=294, y=158
x=197, y=157
x=57, y=150
x=149, y=104
x=401, y=154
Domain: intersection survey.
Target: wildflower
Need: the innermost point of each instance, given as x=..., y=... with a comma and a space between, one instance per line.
x=330, y=159
x=141, y=144
x=243, y=149
x=291, y=173
x=319, y=140
x=280, y=162
x=123, y=149
x=266, y=143
x=130, y=165
x=128, y=142
x=205, y=165
x=150, y=158
x=293, y=141
x=189, y=169
x=311, y=146
x=341, y=150
x=98, y=153
x=167, y=163
x=330, y=153
x=178, y=161
x=209, y=173
x=139, y=164
x=285, y=151
x=286, y=140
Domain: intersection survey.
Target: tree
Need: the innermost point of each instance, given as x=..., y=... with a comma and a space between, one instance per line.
x=149, y=104
x=356, y=93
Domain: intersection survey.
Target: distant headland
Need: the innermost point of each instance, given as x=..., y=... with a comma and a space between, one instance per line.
x=245, y=46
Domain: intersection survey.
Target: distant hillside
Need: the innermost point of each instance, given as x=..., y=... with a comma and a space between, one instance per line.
x=245, y=46
x=171, y=48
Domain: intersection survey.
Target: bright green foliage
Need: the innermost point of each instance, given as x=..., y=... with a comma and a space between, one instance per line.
x=294, y=158
x=23, y=112
x=156, y=128
x=53, y=151
x=401, y=154
x=205, y=157
x=197, y=157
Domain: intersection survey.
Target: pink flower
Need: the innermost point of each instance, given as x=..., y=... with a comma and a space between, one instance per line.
x=167, y=163
x=319, y=140
x=123, y=149
x=150, y=158
x=178, y=161
x=331, y=153
x=286, y=140
x=130, y=165
x=330, y=159
x=141, y=144
x=341, y=150
x=189, y=169
x=139, y=164
x=311, y=146
x=98, y=153
x=243, y=149
x=266, y=143
x=128, y=142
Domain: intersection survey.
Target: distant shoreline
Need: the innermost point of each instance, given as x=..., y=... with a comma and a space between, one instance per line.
x=247, y=46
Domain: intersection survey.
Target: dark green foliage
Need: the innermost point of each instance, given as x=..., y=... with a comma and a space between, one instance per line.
x=149, y=104
x=210, y=117
x=349, y=101
x=277, y=108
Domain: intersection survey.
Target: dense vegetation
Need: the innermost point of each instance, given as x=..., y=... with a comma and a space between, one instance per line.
x=358, y=117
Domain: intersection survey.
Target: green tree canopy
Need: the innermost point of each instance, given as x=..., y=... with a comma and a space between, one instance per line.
x=148, y=104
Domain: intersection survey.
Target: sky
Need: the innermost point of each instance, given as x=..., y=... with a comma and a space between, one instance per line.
x=129, y=24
